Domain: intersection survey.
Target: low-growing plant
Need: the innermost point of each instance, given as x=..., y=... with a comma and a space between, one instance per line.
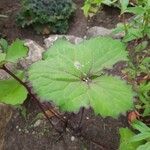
x=72, y=76
x=138, y=68
x=92, y=6
x=138, y=73
x=139, y=26
x=11, y=91
x=135, y=141
x=144, y=97
x=46, y=16
x=3, y=45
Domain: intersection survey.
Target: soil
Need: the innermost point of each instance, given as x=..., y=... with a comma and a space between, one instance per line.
x=108, y=18
x=23, y=132
x=97, y=133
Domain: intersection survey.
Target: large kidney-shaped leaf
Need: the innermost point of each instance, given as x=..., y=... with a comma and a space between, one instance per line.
x=11, y=92
x=71, y=76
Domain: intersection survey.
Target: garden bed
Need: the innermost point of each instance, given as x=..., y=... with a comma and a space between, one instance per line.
x=28, y=128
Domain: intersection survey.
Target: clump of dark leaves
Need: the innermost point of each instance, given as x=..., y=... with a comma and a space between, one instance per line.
x=46, y=16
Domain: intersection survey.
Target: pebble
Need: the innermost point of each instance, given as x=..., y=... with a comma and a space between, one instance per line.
x=26, y=131
x=19, y=130
x=87, y=118
x=37, y=123
x=72, y=138
x=51, y=39
x=33, y=132
x=98, y=31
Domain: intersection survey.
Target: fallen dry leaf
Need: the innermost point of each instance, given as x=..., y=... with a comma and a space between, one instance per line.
x=133, y=115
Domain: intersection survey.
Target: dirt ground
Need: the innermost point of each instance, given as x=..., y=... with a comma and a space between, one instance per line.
x=78, y=25
x=29, y=130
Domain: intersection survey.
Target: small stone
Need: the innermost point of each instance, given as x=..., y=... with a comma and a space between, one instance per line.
x=19, y=130
x=33, y=132
x=37, y=123
x=98, y=31
x=42, y=134
x=26, y=131
x=67, y=129
x=72, y=138
x=51, y=39
x=101, y=31
x=34, y=54
x=87, y=118
x=3, y=74
x=17, y=127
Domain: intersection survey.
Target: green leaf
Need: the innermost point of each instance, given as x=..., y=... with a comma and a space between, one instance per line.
x=146, y=146
x=146, y=111
x=140, y=126
x=141, y=46
x=124, y=4
x=133, y=34
x=2, y=57
x=125, y=143
x=72, y=77
x=109, y=2
x=141, y=136
x=138, y=10
x=120, y=28
x=86, y=9
x=3, y=44
x=16, y=51
x=52, y=14
x=106, y=99
x=146, y=61
x=11, y=92
x=92, y=6
x=143, y=92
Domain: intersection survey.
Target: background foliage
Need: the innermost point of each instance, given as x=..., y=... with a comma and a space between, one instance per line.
x=46, y=15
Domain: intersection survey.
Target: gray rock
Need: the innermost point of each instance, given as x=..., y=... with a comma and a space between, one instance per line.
x=3, y=75
x=51, y=39
x=98, y=31
x=118, y=35
x=34, y=54
x=101, y=31
x=5, y=115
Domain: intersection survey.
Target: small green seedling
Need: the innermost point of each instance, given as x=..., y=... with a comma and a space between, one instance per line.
x=139, y=26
